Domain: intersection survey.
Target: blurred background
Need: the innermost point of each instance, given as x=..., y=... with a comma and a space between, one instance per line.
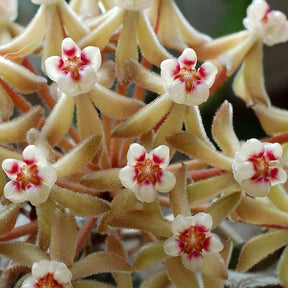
x=217, y=18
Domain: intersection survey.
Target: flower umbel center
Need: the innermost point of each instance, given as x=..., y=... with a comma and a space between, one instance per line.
x=73, y=65
x=261, y=167
x=188, y=76
x=27, y=175
x=192, y=240
x=147, y=170
x=48, y=281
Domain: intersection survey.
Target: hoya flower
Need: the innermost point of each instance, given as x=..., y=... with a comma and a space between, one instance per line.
x=272, y=25
x=254, y=167
x=135, y=5
x=52, y=274
x=185, y=84
x=145, y=172
x=192, y=239
x=31, y=179
x=75, y=71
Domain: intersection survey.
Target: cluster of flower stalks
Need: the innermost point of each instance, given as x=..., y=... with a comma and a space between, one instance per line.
x=90, y=185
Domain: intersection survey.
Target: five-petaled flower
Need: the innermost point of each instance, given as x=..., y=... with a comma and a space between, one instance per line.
x=192, y=239
x=185, y=84
x=52, y=274
x=136, y=5
x=271, y=25
x=75, y=71
x=31, y=179
x=144, y=173
x=254, y=167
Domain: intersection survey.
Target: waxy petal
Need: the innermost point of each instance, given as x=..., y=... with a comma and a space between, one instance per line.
x=213, y=244
x=202, y=221
x=127, y=176
x=12, y=167
x=14, y=193
x=193, y=261
x=177, y=92
x=256, y=188
x=199, y=93
x=33, y=155
x=37, y=194
x=207, y=72
x=166, y=182
x=169, y=68
x=188, y=58
x=180, y=224
x=93, y=57
x=52, y=67
x=48, y=174
x=251, y=148
x=277, y=175
x=273, y=151
x=136, y=153
x=172, y=247
x=160, y=156
x=145, y=192
x=69, y=49
x=243, y=170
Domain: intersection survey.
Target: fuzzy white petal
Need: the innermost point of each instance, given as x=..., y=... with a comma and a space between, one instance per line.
x=172, y=247
x=52, y=67
x=251, y=147
x=203, y=221
x=207, y=72
x=180, y=224
x=273, y=151
x=193, y=262
x=169, y=68
x=160, y=156
x=167, y=182
x=279, y=177
x=93, y=55
x=14, y=193
x=69, y=49
x=135, y=153
x=177, y=92
x=145, y=192
x=188, y=58
x=198, y=94
x=48, y=174
x=127, y=177
x=242, y=170
x=12, y=167
x=37, y=194
x=214, y=244
x=32, y=154
x=256, y=188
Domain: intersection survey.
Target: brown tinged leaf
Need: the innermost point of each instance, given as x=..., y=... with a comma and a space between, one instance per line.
x=150, y=255
x=78, y=157
x=80, y=204
x=8, y=217
x=205, y=190
x=260, y=247
x=282, y=267
x=103, y=98
x=179, y=275
x=178, y=195
x=214, y=266
x=194, y=146
x=220, y=209
x=158, y=280
x=59, y=120
x=261, y=212
x=16, y=129
x=63, y=224
x=99, y=262
x=145, y=119
x=279, y=197
x=106, y=74
x=137, y=219
x=23, y=253
x=6, y=104
x=223, y=132
x=103, y=180
x=89, y=284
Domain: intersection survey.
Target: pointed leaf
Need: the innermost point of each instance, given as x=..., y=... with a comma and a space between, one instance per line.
x=260, y=247
x=80, y=204
x=125, y=52
x=223, y=132
x=23, y=253
x=179, y=275
x=8, y=217
x=99, y=262
x=107, y=179
x=220, y=209
x=279, y=197
x=6, y=104
x=178, y=195
x=20, y=78
x=193, y=146
x=214, y=266
x=150, y=46
x=78, y=157
x=205, y=190
x=54, y=130
x=159, y=280
x=137, y=219
x=145, y=119
x=16, y=129
x=150, y=255
x=103, y=98
x=272, y=119
x=28, y=40
x=260, y=212
x=113, y=244
x=63, y=249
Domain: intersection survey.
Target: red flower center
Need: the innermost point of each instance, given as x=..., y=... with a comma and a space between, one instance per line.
x=187, y=76
x=192, y=239
x=147, y=170
x=28, y=175
x=72, y=66
x=261, y=167
x=48, y=281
